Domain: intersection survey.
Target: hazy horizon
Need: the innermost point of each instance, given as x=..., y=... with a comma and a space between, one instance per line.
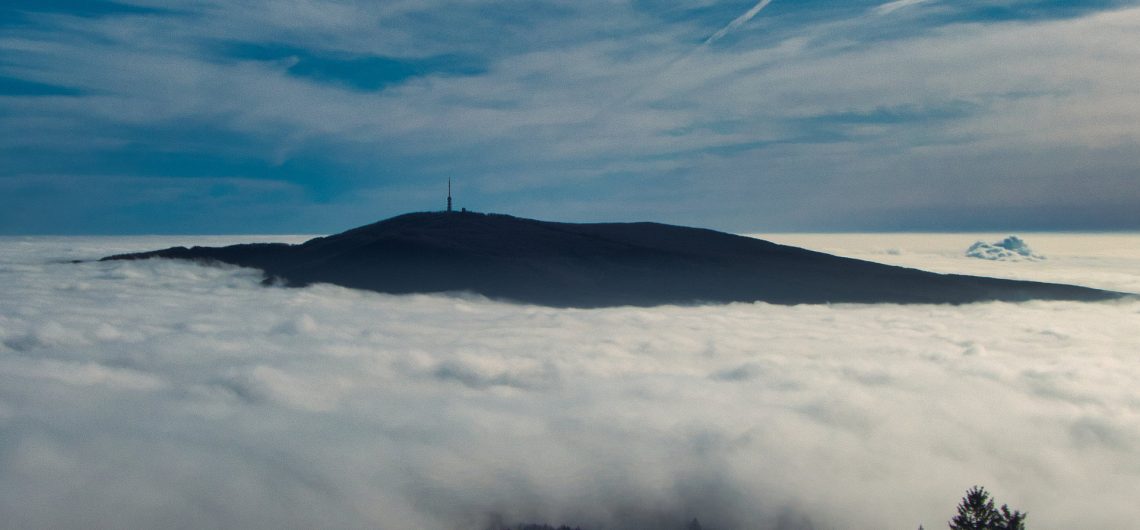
x=761, y=235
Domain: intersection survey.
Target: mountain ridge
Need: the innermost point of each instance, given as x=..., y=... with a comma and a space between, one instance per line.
x=598, y=265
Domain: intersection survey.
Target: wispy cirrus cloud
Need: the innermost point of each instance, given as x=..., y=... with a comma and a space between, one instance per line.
x=891, y=7
x=791, y=123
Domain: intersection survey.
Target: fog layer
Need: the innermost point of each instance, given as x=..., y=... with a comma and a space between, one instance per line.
x=164, y=394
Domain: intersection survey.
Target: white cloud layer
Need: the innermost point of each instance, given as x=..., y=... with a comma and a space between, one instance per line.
x=163, y=394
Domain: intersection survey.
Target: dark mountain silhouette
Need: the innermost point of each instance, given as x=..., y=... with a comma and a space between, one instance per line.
x=597, y=265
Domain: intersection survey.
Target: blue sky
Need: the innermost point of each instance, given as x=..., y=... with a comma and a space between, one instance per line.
x=312, y=116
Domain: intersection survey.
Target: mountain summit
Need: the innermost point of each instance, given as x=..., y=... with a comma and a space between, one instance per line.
x=598, y=265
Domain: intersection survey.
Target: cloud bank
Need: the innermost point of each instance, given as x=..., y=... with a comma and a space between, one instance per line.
x=1103, y=261
x=1010, y=248
x=159, y=393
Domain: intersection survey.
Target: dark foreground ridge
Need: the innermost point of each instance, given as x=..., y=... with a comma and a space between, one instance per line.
x=599, y=265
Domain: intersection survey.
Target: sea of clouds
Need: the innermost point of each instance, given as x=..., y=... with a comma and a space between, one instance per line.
x=162, y=394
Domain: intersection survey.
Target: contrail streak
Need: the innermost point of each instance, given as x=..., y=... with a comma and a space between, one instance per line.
x=664, y=70
x=738, y=21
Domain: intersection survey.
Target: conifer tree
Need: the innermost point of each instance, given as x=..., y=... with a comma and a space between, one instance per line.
x=1012, y=521
x=977, y=512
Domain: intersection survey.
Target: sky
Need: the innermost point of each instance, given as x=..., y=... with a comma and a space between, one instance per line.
x=314, y=116
x=166, y=394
